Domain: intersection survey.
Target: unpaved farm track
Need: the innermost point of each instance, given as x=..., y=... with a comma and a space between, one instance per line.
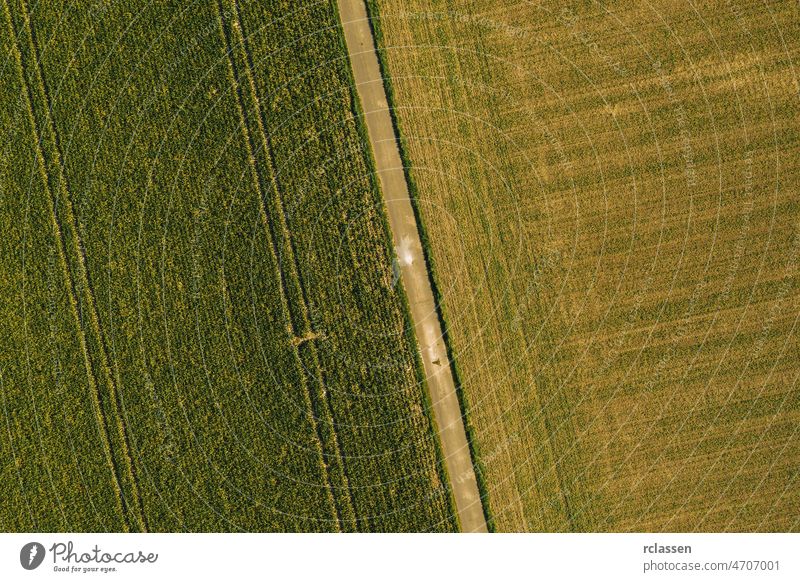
x=413, y=272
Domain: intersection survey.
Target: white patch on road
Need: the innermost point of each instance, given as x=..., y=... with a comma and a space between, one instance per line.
x=405, y=254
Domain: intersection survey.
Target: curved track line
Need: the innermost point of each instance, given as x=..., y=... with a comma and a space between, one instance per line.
x=281, y=247
x=52, y=191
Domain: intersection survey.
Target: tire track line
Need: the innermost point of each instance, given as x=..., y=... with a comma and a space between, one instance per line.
x=298, y=322
x=65, y=268
x=56, y=185
x=306, y=333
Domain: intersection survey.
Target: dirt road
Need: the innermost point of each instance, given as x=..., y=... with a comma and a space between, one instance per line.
x=413, y=272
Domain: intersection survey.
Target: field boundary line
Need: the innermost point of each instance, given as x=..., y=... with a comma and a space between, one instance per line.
x=298, y=322
x=373, y=15
x=567, y=514
x=414, y=273
x=47, y=180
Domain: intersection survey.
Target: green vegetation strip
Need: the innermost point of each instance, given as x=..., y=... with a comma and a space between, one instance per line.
x=373, y=12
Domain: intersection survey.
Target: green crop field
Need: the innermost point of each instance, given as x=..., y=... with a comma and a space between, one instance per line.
x=201, y=330
x=609, y=193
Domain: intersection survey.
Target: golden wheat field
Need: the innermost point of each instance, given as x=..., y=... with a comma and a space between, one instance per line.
x=610, y=200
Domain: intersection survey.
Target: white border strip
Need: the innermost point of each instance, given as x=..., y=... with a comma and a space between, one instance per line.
x=375, y=557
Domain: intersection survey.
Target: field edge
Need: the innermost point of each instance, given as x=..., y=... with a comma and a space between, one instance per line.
x=373, y=13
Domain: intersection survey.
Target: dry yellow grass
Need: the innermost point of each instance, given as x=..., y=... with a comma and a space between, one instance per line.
x=611, y=198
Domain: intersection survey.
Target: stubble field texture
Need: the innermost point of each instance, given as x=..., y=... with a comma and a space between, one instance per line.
x=201, y=327
x=609, y=193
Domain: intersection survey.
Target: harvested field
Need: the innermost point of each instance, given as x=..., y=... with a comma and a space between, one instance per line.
x=610, y=201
